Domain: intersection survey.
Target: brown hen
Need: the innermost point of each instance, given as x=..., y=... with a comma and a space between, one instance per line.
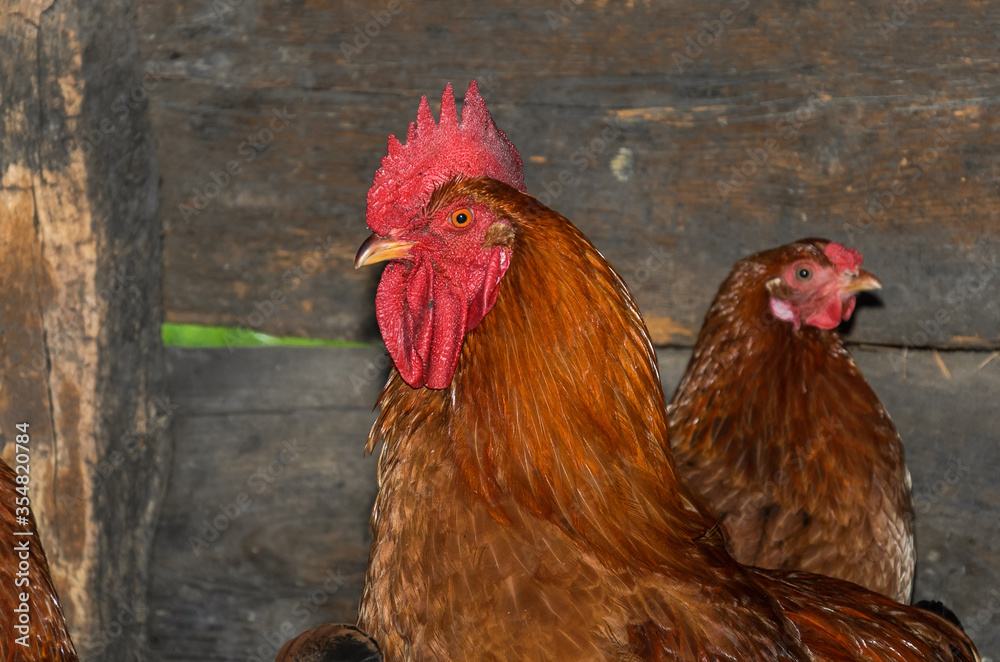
x=776, y=426
x=528, y=507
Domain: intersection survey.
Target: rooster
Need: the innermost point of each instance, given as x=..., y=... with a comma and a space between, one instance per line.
x=528, y=505
x=776, y=426
x=32, y=626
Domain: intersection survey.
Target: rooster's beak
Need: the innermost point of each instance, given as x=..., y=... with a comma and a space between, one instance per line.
x=863, y=282
x=379, y=249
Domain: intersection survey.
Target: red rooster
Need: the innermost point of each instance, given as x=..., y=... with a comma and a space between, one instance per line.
x=32, y=627
x=775, y=425
x=528, y=507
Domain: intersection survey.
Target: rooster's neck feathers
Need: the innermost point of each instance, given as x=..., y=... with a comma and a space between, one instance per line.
x=556, y=406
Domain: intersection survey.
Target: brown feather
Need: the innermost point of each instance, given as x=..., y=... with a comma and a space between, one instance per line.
x=48, y=638
x=530, y=509
x=779, y=430
x=330, y=642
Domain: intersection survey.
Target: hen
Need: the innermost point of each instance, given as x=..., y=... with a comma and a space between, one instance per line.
x=528, y=507
x=32, y=627
x=776, y=426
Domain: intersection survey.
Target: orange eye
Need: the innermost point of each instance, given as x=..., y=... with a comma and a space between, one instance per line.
x=460, y=218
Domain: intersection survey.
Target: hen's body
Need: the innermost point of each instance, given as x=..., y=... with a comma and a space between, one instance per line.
x=778, y=429
x=47, y=638
x=529, y=510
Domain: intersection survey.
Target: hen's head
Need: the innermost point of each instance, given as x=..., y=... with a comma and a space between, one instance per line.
x=446, y=251
x=817, y=283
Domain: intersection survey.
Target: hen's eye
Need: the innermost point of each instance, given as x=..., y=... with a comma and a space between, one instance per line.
x=461, y=217
x=803, y=274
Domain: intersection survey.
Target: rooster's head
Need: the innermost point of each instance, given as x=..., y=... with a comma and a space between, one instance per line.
x=446, y=252
x=818, y=283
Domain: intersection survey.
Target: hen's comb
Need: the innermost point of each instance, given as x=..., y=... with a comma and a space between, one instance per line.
x=843, y=258
x=436, y=152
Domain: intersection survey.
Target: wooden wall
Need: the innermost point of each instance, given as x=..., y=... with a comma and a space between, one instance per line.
x=868, y=122
x=80, y=264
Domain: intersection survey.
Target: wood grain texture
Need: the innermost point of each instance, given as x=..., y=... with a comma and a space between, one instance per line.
x=263, y=577
x=867, y=122
x=80, y=355
x=265, y=530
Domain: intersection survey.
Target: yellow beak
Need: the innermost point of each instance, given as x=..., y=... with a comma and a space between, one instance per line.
x=379, y=249
x=862, y=283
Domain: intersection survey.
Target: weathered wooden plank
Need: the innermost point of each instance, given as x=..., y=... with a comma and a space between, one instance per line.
x=245, y=380
x=80, y=356
x=849, y=125
x=265, y=572
x=265, y=532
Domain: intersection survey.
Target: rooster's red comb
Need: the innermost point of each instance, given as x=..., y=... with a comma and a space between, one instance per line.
x=436, y=152
x=843, y=258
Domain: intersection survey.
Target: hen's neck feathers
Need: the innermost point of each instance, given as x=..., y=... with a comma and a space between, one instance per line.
x=48, y=638
x=556, y=406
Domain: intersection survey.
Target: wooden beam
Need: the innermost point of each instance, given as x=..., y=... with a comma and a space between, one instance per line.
x=80, y=255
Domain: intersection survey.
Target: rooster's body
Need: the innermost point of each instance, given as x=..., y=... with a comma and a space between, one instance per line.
x=40, y=635
x=775, y=425
x=528, y=507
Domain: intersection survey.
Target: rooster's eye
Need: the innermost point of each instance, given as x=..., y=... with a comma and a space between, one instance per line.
x=461, y=217
x=803, y=274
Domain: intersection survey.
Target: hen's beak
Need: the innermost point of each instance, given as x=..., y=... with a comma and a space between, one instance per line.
x=863, y=282
x=379, y=249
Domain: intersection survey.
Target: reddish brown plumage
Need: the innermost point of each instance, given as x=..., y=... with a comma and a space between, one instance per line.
x=529, y=510
x=330, y=642
x=47, y=638
x=779, y=430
